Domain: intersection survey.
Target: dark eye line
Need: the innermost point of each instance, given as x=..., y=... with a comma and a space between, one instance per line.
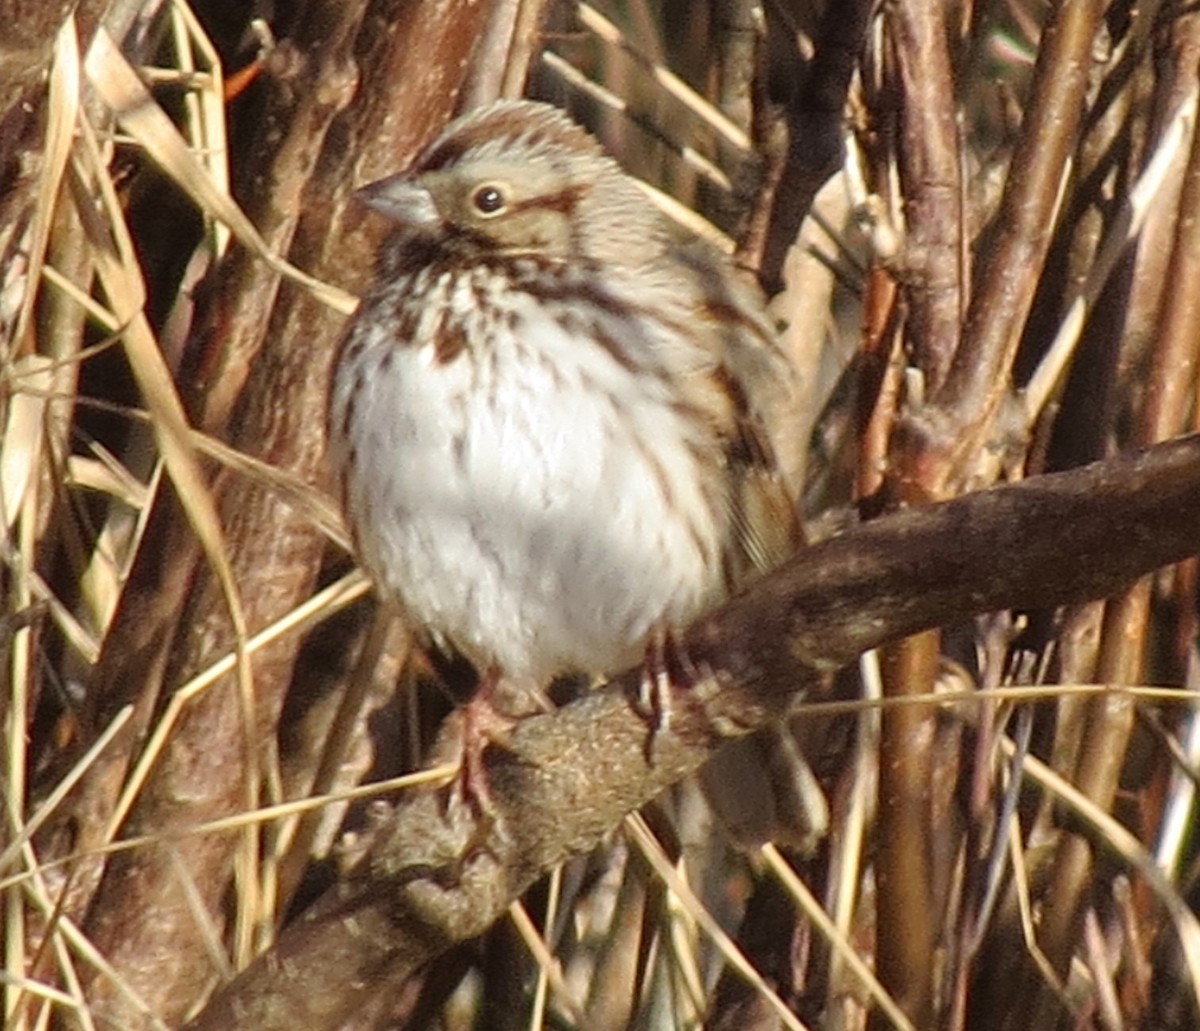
x=563, y=202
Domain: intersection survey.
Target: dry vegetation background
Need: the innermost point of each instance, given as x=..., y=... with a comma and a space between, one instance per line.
x=978, y=222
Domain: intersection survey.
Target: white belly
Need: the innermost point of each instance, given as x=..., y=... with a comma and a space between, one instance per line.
x=537, y=504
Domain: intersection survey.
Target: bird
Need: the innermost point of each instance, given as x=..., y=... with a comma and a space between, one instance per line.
x=551, y=415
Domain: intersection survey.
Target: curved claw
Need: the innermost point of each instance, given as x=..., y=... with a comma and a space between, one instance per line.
x=666, y=666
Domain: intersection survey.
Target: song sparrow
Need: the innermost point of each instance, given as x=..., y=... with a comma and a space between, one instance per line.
x=548, y=412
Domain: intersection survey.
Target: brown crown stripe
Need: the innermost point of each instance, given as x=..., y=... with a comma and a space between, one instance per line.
x=513, y=124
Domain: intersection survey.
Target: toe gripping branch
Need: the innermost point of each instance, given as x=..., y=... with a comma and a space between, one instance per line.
x=668, y=675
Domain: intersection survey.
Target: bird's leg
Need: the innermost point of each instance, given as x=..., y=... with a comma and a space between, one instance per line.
x=666, y=665
x=654, y=687
x=483, y=724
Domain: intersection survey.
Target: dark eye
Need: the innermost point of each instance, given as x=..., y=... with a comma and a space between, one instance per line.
x=488, y=200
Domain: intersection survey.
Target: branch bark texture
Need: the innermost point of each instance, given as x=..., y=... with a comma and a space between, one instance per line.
x=436, y=875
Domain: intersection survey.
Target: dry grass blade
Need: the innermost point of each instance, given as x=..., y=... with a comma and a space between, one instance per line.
x=677, y=211
x=62, y=788
x=210, y=936
x=118, y=84
x=116, y=81
x=296, y=839
x=39, y=989
x=63, y=109
x=80, y=639
x=550, y=975
x=206, y=105
x=1125, y=845
x=332, y=599
x=1181, y=801
x=433, y=775
x=21, y=447
x=849, y=859
x=78, y=942
x=1132, y=215
x=21, y=662
x=649, y=847
x=596, y=22
x=813, y=910
x=607, y=98
x=1028, y=919
x=122, y=282
x=33, y=885
x=315, y=504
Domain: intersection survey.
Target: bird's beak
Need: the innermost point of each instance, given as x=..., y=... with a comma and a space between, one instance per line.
x=402, y=200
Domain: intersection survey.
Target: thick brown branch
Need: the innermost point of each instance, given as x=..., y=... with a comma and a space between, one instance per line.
x=571, y=776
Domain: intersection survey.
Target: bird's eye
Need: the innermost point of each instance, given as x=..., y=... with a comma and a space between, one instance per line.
x=489, y=199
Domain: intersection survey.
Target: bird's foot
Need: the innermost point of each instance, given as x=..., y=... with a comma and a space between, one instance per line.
x=666, y=666
x=482, y=725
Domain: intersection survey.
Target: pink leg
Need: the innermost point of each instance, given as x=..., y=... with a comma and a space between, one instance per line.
x=482, y=725
x=665, y=666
